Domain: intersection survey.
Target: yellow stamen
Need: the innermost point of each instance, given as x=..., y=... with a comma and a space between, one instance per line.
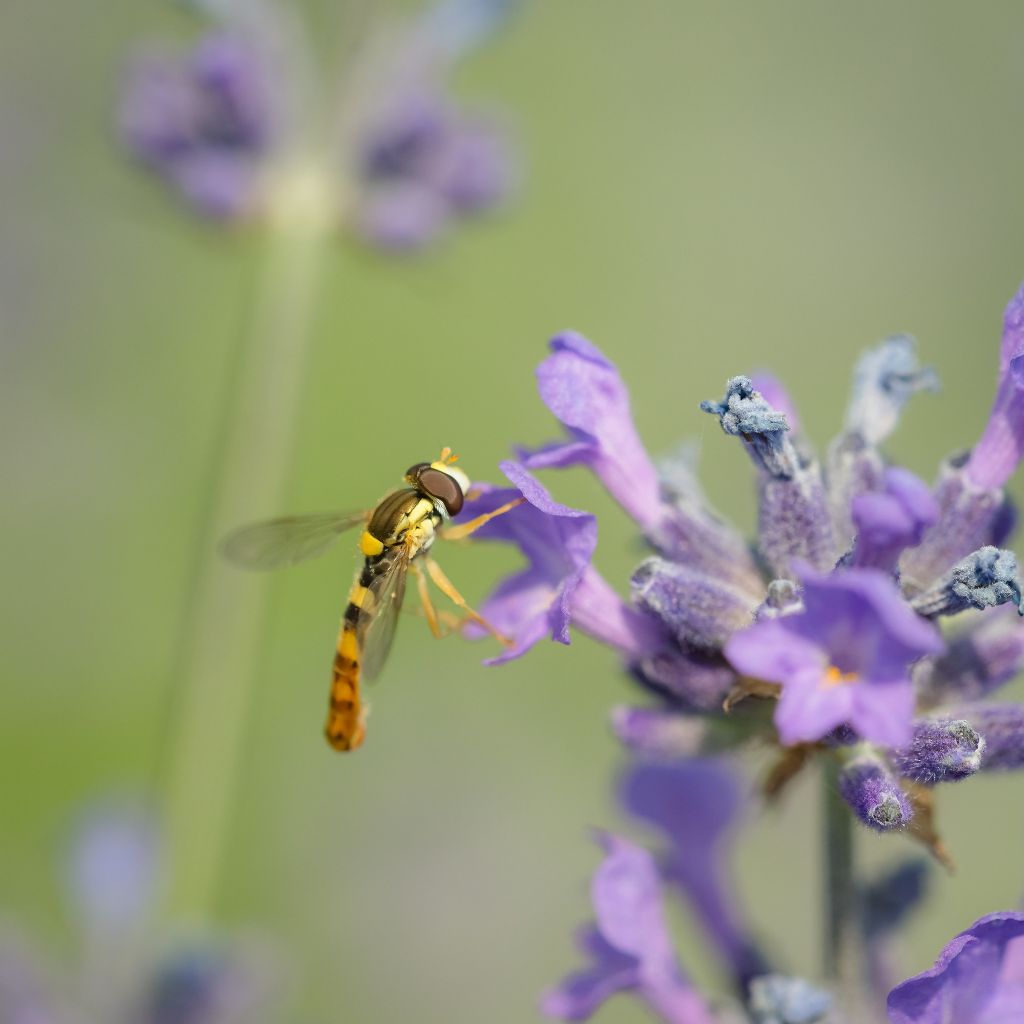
x=836, y=677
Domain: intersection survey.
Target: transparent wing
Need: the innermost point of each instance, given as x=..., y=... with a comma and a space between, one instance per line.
x=288, y=540
x=381, y=629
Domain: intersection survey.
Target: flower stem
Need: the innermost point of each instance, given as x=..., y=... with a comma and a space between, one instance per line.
x=841, y=946
x=217, y=655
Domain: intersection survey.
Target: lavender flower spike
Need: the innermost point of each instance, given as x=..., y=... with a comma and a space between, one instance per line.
x=982, y=580
x=941, y=751
x=794, y=520
x=559, y=586
x=873, y=793
x=998, y=452
x=776, y=999
x=845, y=659
x=628, y=944
x=978, y=978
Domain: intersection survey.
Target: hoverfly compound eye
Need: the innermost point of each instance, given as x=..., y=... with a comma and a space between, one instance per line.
x=412, y=474
x=442, y=487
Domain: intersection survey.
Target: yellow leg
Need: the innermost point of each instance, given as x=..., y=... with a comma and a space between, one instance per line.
x=428, y=605
x=447, y=588
x=463, y=530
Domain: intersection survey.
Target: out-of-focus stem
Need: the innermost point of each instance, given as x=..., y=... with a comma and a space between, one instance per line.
x=218, y=658
x=842, y=963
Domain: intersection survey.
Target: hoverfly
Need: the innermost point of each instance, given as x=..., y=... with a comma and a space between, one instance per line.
x=397, y=537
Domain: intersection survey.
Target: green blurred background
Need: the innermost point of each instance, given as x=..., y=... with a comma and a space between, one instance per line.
x=708, y=189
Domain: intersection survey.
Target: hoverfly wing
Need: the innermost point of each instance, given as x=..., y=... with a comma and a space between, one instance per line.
x=288, y=540
x=380, y=629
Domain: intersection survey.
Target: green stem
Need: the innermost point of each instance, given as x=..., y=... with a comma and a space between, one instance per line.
x=842, y=945
x=218, y=658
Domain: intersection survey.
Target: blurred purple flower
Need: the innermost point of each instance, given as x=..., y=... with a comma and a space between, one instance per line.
x=128, y=973
x=425, y=162
x=628, y=945
x=695, y=804
x=1001, y=446
x=844, y=659
x=977, y=979
x=203, y=120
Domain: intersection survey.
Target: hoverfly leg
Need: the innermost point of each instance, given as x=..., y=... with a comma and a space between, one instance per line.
x=463, y=530
x=447, y=588
x=429, y=611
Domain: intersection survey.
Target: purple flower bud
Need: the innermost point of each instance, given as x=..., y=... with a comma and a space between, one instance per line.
x=1002, y=728
x=979, y=660
x=777, y=999
x=874, y=795
x=1001, y=446
x=940, y=751
x=890, y=520
x=700, y=611
x=659, y=733
x=401, y=217
x=794, y=520
x=745, y=413
x=984, y=579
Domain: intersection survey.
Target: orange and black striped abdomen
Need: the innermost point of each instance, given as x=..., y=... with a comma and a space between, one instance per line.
x=346, y=715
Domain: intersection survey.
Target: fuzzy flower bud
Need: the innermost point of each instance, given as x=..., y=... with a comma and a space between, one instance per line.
x=984, y=579
x=701, y=611
x=873, y=793
x=794, y=520
x=941, y=751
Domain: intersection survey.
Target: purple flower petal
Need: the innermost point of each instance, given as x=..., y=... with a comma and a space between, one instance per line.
x=629, y=945
x=844, y=659
x=584, y=390
x=1001, y=446
x=695, y=804
x=890, y=520
x=402, y=217
x=978, y=978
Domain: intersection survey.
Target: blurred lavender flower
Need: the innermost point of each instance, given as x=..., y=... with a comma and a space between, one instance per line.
x=113, y=876
x=203, y=121
x=978, y=978
x=629, y=945
x=225, y=124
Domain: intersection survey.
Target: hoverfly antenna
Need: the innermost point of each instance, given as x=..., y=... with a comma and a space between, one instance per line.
x=447, y=457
